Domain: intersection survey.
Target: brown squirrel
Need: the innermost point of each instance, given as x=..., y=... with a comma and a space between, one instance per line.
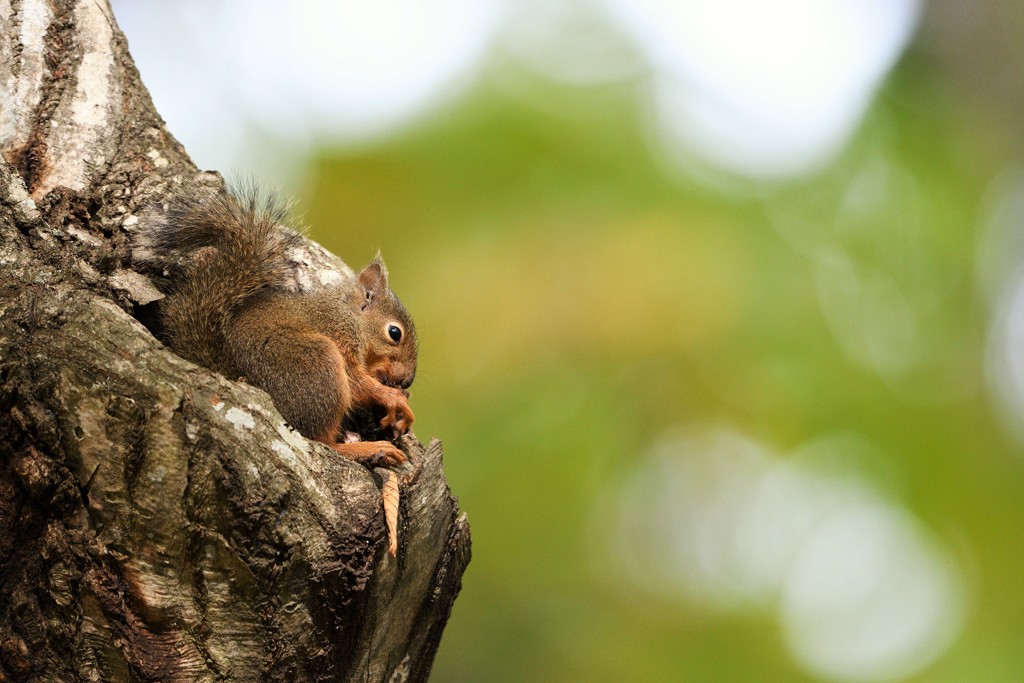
x=324, y=356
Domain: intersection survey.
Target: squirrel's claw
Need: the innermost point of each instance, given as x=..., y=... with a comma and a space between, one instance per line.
x=392, y=455
x=362, y=451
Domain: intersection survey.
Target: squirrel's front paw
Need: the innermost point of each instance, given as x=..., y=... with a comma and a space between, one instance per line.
x=397, y=413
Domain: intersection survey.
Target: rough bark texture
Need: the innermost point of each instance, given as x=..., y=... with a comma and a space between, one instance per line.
x=157, y=521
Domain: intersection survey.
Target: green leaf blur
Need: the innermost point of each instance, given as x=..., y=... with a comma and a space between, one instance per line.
x=577, y=299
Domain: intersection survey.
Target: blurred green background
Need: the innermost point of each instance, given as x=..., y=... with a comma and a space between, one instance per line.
x=709, y=425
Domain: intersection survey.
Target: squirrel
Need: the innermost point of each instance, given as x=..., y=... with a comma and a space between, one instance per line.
x=326, y=357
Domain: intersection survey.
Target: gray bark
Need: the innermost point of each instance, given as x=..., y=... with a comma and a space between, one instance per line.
x=159, y=522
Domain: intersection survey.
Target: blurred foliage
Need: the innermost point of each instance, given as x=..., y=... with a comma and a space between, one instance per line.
x=577, y=298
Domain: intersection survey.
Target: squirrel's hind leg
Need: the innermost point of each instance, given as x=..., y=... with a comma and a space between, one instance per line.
x=362, y=451
x=303, y=372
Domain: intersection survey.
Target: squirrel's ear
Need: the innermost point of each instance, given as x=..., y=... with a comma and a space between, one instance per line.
x=373, y=282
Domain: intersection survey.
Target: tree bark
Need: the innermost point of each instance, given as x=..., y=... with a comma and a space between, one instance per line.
x=159, y=522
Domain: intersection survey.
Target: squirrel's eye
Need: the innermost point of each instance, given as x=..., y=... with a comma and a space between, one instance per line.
x=395, y=332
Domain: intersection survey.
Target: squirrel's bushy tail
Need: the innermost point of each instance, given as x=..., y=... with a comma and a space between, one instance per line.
x=228, y=249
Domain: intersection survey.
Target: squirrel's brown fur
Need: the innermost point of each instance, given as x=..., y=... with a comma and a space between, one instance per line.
x=321, y=355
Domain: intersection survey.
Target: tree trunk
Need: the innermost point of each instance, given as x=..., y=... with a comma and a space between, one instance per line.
x=158, y=521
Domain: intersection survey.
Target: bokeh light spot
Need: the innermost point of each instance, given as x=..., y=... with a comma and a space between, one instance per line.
x=765, y=89
x=861, y=589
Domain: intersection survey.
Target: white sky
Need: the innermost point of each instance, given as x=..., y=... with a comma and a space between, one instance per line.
x=757, y=89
